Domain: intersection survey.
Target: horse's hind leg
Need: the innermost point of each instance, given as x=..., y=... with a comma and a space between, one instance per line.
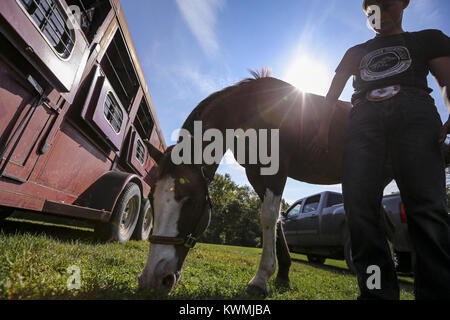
x=269, y=216
x=284, y=258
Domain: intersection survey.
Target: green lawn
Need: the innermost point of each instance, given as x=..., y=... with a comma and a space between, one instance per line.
x=34, y=259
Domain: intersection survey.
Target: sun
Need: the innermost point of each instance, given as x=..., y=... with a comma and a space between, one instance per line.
x=309, y=75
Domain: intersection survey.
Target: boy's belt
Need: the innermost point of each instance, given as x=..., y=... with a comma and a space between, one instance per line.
x=382, y=94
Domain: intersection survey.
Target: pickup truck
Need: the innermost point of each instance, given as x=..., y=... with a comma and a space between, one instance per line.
x=316, y=226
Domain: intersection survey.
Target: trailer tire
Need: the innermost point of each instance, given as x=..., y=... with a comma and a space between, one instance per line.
x=124, y=217
x=145, y=222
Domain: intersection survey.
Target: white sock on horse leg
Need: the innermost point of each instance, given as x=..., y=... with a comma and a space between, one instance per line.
x=270, y=211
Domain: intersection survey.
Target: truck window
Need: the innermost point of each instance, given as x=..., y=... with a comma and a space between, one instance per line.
x=294, y=211
x=311, y=204
x=334, y=199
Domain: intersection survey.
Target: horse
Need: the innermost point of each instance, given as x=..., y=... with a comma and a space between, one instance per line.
x=179, y=193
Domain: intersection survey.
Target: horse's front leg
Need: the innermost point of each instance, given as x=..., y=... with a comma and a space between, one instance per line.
x=270, y=211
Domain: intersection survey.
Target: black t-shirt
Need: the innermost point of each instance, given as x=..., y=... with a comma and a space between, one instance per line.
x=394, y=59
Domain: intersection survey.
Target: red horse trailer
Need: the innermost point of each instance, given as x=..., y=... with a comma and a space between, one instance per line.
x=74, y=113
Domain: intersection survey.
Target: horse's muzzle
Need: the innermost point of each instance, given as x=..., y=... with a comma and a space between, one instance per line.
x=162, y=283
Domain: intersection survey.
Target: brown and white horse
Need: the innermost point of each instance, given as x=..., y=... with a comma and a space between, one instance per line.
x=180, y=196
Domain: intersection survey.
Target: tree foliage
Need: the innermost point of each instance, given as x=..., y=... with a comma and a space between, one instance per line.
x=235, y=214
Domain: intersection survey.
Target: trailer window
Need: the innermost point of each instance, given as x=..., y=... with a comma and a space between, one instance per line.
x=92, y=15
x=53, y=22
x=113, y=112
x=119, y=70
x=140, y=152
x=144, y=122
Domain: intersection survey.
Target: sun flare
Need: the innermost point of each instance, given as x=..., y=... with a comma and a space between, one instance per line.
x=309, y=75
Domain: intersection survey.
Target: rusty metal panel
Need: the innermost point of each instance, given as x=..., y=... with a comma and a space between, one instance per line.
x=24, y=121
x=11, y=198
x=73, y=163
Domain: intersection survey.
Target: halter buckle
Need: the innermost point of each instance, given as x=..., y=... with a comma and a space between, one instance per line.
x=190, y=241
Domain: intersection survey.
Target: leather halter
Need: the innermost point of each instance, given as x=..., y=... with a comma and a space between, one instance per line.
x=191, y=239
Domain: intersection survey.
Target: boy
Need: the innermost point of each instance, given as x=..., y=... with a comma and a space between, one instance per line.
x=394, y=115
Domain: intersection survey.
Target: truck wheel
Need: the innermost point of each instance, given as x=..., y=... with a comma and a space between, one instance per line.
x=348, y=254
x=145, y=222
x=124, y=217
x=316, y=259
x=5, y=212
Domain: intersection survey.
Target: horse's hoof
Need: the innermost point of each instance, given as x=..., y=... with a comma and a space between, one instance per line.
x=282, y=283
x=257, y=291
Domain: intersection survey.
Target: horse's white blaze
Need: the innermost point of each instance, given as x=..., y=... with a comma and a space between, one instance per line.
x=167, y=212
x=270, y=211
x=167, y=209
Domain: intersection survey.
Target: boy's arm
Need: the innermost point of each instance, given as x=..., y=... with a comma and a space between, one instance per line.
x=320, y=142
x=440, y=68
x=335, y=91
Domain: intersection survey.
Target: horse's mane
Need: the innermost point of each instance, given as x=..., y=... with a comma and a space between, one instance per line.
x=196, y=113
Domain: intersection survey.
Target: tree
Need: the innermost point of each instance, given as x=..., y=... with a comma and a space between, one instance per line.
x=235, y=214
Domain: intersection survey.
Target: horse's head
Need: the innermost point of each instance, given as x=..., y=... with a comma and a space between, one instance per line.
x=181, y=209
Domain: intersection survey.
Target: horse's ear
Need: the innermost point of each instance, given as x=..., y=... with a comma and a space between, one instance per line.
x=154, y=152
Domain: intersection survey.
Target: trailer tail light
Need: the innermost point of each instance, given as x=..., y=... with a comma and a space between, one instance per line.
x=403, y=213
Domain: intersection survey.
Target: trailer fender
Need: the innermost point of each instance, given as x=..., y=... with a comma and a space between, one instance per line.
x=103, y=193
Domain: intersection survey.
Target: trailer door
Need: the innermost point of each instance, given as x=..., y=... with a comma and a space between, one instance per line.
x=24, y=119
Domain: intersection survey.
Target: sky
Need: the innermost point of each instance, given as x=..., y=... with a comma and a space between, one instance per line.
x=189, y=49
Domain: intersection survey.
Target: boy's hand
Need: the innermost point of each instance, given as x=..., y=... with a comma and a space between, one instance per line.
x=320, y=142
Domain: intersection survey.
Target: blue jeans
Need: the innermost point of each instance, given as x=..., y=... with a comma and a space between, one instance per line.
x=406, y=129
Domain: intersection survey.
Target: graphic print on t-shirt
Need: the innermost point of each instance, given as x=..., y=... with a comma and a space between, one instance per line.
x=385, y=62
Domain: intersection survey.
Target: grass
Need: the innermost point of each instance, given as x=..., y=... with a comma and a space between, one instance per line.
x=34, y=259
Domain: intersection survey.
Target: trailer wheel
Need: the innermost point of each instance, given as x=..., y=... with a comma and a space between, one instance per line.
x=145, y=222
x=5, y=212
x=124, y=217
